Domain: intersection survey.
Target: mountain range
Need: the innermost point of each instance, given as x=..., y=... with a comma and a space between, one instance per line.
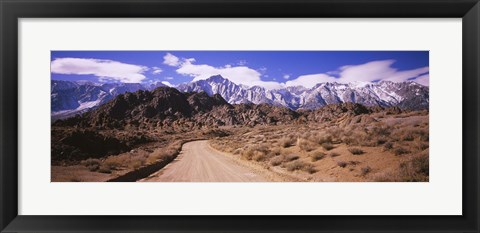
x=168, y=108
x=70, y=98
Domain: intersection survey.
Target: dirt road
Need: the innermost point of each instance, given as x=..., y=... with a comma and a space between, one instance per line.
x=198, y=162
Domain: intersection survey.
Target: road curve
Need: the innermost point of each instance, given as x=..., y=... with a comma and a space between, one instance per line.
x=198, y=162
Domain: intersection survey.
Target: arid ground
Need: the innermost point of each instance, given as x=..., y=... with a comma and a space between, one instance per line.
x=380, y=146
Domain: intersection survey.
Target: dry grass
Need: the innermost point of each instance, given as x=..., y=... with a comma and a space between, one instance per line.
x=300, y=165
x=317, y=155
x=161, y=154
x=400, y=151
x=92, y=164
x=377, y=137
x=306, y=145
x=387, y=146
x=327, y=146
x=415, y=169
x=356, y=151
x=366, y=170
x=132, y=160
x=287, y=142
x=276, y=161
x=257, y=152
x=342, y=164
x=291, y=157
x=334, y=154
x=321, y=138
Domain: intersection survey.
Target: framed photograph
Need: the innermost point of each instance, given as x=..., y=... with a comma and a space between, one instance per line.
x=200, y=116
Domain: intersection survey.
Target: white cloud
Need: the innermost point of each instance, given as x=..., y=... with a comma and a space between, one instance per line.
x=156, y=70
x=423, y=80
x=310, y=80
x=103, y=69
x=169, y=78
x=367, y=72
x=377, y=70
x=237, y=74
x=244, y=75
x=402, y=76
x=171, y=60
x=167, y=83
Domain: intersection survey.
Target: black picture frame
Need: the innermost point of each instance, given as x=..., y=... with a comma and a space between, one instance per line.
x=12, y=10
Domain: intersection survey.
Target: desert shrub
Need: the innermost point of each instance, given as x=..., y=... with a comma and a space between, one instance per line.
x=381, y=141
x=295, y=165
x=238, y=151
x=111, y=163
x=415, y=170
x=105, y=169
x=321, y=138
x=356, y=138
x=299, y=165
x=307, y=135
x=275, y=151
x=387, y=146
x=422, y=146
x=166, y=153
x=259, y=156
x=309, y=168
x=334, y=154
x=356, y=151
x=287, y=142
x=366, y=170
x=247, y=154
x=341, y=164
x=381, y=130
x=257, y=153
x=291, y=157
x=422, y=134
x=421, y=164
x=350, y=140
x=400, y=151
x=334, y=133
x=327, y=146
x=136, y=164
x=354, y=163
x=408, y=136
x=92, y=164
x=317, y=155
x=162, y=154
x=306, y=145
x=275, y=161
x=386, y=177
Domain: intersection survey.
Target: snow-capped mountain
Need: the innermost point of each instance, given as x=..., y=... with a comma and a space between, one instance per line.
x=408, y=95
x=69, y=98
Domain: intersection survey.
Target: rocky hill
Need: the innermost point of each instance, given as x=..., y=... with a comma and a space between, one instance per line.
x=168, y=108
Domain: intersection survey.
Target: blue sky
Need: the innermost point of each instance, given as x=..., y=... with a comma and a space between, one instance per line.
x=270, y=69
